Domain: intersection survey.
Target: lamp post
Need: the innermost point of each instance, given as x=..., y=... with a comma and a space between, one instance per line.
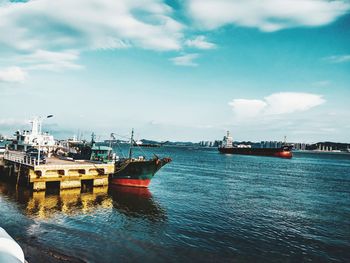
x=40, y=135
x=38, y=151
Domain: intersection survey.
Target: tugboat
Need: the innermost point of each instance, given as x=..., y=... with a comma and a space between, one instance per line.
x=228, y=148
x=136, y=172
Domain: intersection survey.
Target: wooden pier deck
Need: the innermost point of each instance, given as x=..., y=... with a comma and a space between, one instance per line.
x=66, y=173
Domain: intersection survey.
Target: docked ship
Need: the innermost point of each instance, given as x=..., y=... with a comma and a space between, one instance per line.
x=74, y=149
x=36, y=145
x=227, y=147
x=136, y=171
x=128, y=171
x=35, y=138
x=83, y=150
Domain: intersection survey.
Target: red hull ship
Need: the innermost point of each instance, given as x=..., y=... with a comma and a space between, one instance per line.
x=136, y=172
x=228, y=148
x=283, y=152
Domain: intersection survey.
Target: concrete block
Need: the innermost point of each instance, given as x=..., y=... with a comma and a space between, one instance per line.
x=38, y=186
x=70, y=184
x=100, y=181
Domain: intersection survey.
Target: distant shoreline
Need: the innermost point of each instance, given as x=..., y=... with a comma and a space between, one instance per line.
x=321, y=152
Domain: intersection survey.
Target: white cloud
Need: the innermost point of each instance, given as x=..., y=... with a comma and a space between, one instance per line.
x=52, y=61
x=200, y=42
x=247, y=108
x=338, y=59
x=267, y=15
x=185, y=60
x=289, y=102
x=50, y=35
x=45, y=24
x=12, y=74
x=275, y=104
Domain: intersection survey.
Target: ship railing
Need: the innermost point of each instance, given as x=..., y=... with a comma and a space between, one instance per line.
x=19, y=157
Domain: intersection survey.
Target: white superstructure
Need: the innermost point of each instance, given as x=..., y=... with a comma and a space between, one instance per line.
x=227, y=142
x=34, y=138
x=138, y=142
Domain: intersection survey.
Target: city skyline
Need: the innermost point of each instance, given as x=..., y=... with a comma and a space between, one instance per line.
x=178, y=70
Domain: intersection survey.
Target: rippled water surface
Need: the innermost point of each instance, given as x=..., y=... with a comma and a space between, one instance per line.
x=203, y=207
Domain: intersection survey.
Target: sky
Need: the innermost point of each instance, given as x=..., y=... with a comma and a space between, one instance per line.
x=186, y=70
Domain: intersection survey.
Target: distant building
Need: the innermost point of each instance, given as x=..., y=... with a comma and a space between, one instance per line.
x=217, y=143
x=206, y=144
x=271, y=144
x=300, y=146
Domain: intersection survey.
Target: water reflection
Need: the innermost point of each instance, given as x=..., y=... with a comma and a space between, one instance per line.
x=69, y=202
x=136, y=202
x=132, y=202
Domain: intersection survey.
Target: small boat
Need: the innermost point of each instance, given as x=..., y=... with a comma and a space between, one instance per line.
x=147, y=144
x=141, y=143
x=136, y=171
x=83, y=150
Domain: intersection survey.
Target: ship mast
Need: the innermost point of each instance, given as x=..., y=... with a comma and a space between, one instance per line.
x=93, y=139
x=110, y=140
x=110, y=151
x=131, y=143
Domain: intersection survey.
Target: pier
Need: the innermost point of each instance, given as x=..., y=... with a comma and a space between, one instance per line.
x=60, y=173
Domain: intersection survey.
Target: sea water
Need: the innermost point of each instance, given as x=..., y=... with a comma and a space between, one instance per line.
x=202, y=207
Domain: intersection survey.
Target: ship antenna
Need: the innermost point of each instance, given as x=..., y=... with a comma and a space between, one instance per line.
x=131, y=143
x=92, y=139
x=110, y=140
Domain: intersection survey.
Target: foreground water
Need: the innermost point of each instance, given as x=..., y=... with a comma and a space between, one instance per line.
x=203, y=207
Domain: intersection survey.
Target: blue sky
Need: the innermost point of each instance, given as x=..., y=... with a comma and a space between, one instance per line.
x=178, y=70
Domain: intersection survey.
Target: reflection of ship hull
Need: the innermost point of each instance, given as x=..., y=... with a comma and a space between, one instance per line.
x=283, y=152
x=136, y=202
x=136, y=172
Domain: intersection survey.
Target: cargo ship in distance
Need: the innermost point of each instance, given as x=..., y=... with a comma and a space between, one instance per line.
x=227, y=147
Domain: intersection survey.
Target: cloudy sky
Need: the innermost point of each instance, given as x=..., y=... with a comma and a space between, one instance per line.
x=178, y=70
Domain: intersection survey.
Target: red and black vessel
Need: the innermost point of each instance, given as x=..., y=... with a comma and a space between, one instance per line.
x=136, y=172
x=283, y=152
x=227, y=148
